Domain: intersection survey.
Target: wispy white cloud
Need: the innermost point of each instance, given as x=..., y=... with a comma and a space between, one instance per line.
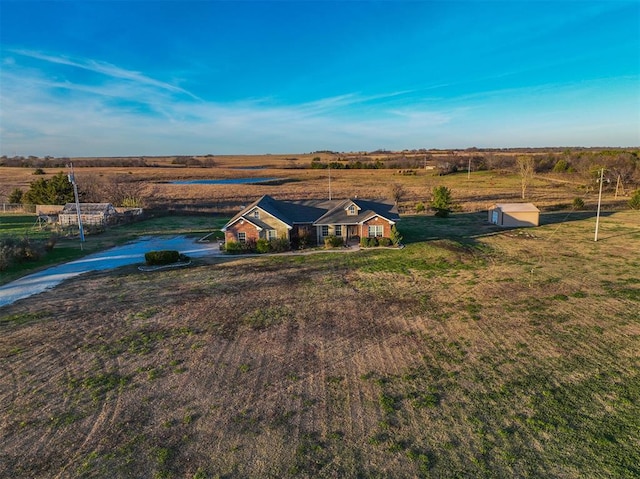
x=130, y=113
x=103, y=68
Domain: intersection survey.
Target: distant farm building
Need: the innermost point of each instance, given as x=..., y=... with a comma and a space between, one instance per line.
x=514, y=215
x=91, y=214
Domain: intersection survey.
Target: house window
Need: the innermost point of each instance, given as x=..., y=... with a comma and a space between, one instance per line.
x=375, y=230
x=351, y=210
x=325, y=230
x=271, y=234
x=242, y=237
x=256, y=213
x=338, y=230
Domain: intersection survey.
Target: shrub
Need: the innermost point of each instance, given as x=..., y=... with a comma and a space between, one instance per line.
x=420, y=207
x=333, y=241
x=263, y=245
x=280, y=245
x=561, y=166
x=384, y=242
x=233, y=247
x=634, y=202
x=368, y=242
x=578, y=203
x=154, y=258
x=249, y=246
x=38, y=171
x=14, y=250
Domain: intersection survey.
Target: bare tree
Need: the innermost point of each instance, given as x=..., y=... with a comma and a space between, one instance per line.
x=119, y=190
x=526, y=168
x=91, y=188
x=125, y=191
x=398, y=192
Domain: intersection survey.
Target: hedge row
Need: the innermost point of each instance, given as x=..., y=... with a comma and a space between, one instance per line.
x=278, y=245
x=372, y=242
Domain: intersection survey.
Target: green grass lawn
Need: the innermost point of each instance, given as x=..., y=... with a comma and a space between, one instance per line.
x=68, y=249
x=22, y=225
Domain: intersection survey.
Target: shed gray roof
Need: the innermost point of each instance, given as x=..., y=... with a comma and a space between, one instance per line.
x=516, y=207
x=88, y=208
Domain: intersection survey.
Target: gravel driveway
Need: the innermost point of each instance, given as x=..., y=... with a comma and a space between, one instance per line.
x=130, y=253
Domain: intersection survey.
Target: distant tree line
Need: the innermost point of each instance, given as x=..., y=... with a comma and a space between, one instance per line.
x=585, y=164
x=190, y=161
x=364, y=163
x=123, y=162
x=63, y=162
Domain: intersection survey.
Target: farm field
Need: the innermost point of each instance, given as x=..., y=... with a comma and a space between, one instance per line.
x=472, y=352
x=296, y=180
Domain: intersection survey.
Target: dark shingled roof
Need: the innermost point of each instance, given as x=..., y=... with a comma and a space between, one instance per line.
x=367, y=209
x=318, y=211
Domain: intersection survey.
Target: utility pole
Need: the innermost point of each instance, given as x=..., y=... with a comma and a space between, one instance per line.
x=599, y=201
x=618, y=184
x=469, y=170
x=72, y=180
x=329, y=181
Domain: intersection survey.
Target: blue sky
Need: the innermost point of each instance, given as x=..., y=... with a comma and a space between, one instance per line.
x=110, y=78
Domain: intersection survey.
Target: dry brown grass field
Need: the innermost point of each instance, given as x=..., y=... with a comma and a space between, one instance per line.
x=471, y=352
x=296, y=181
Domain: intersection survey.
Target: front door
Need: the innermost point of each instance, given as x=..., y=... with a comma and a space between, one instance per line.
x=352, y=231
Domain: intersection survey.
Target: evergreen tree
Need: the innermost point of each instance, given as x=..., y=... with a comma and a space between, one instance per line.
x=442, y=201
x=395, y=236
x=54, y=191
x=16, y=196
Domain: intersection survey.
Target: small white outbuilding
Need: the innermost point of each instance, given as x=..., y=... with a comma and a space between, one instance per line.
x=90, y=213
x=514, y=215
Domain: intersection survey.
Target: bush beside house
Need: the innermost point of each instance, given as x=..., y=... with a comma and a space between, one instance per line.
x=163, y=257
x=373, y=242
x=333, y=241
x=261, y=246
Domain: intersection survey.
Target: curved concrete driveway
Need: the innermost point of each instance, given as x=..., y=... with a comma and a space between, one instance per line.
x=130, y=253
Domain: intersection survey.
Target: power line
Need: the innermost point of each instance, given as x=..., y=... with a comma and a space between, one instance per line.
x=599, y=202
x=72, y=180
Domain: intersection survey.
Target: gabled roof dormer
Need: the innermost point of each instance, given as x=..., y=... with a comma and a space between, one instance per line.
x=351, y=209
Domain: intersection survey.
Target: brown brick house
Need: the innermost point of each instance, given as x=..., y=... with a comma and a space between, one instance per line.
x=314, y=220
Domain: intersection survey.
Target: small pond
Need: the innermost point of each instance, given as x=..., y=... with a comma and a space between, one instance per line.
x=223, y=181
